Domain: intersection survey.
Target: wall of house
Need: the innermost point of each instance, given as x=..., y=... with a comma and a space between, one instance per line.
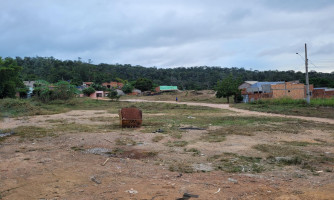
x=292, y=90
x=322, y=93
x=256, y=96
x=94, y=95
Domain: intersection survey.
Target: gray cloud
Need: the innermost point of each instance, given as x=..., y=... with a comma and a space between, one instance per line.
x=255, y=34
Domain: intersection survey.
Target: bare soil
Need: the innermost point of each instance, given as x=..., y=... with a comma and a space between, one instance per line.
x=90, y=165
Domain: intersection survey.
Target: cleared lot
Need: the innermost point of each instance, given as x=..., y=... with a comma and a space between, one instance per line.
x=179, y=149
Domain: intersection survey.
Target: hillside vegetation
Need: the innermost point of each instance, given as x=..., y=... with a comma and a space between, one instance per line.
x=197, y=77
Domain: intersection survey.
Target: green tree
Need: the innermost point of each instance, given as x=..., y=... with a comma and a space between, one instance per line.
x=228, y=87
x=99, y=87
x=9, y=78
x=113, y=95
x=42, y=91
x=143, y=84
x=46, y=92
x=63, y=90
x=88, y=91
x=127, y=88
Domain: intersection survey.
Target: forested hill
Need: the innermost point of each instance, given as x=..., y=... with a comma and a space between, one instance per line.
x=203, y=77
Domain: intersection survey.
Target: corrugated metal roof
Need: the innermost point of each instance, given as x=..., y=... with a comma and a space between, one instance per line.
x=259, y=84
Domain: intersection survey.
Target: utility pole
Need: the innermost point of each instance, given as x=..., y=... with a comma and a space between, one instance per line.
x=307, y=80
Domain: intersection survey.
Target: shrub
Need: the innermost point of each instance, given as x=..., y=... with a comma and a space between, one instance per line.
x=88, y=91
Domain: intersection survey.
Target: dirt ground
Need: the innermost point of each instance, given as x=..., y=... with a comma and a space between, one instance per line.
x=78, y=165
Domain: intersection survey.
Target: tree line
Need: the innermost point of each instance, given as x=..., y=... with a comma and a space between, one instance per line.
x=50, y=69
x=196, y=78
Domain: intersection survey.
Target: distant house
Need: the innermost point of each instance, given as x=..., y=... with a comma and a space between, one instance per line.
x=115, y=85
x=262, y=90
x=98, y=94
x=166, y=88
x=30, y=85
x=87, y=84
x=323, y=92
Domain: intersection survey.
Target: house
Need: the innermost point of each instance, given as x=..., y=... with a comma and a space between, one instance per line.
x=115, y=85
x=166, y=88
x=98, y=94
x=87, y=84
x=323, y=92
x=262, y=90
x=261, y=87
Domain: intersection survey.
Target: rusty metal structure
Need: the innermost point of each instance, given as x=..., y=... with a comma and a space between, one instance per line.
x=130, y=117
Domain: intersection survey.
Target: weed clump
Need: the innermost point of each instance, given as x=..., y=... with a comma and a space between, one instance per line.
x=125, y=141
x=181, y=143
x=181, y=167
x=157, y=138
x=233, y=163
x=194, y=151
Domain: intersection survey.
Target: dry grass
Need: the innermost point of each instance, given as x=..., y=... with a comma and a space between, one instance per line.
x=101, y=119
x=125, y=141
x=180, y=143
x=233, y=163
x=157, y=138
x=183, y=167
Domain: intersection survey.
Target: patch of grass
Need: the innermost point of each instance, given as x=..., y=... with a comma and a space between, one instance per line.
x=2, y=139
x=318, y=108
x=194, y=151
x=19, y=107
x=32, y=132
x=157, y=138
x=74, y=128
x=116, y=152
x=278, y=151
x=77, y=148
x=56, y=120
x=101, y=119
x=133, y=154
x=182, y=167
x=180, y=143
x=298, y=143
x=295, y=155
x=125, y=141
x=214, y=136
x=234, y=163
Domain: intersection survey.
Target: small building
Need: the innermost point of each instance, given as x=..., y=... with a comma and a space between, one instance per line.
x=87, y=84
x=275, y=90
x=115, y=85
x=166, y=88
x=261, y=87
x=98, y=94
x=323, y=92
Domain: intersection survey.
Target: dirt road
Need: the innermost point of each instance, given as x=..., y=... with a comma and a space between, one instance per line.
x=241, y=111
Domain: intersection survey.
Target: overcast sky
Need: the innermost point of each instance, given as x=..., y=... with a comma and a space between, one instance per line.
x=253, y=34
